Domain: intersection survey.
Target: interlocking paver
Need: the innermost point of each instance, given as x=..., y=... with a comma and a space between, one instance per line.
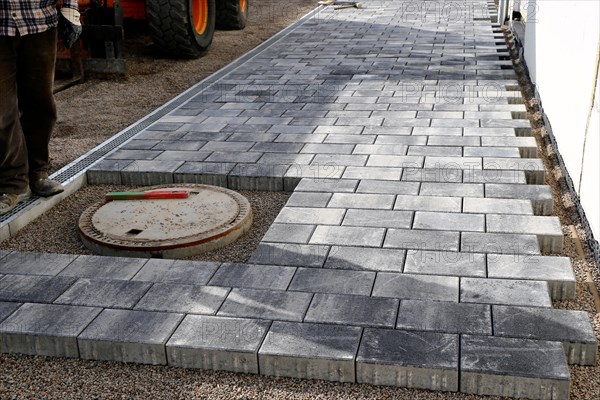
x=352, y=310
x=364, y=258
x=504, y=291
x=416, y=287
x=347, y=236
x=33, y=288
x=445, y=317
x=34, y=263
x=253, y=276
x=182, y=298
x=548, y=229
x=266, y=304
x=104, y=293
x=499, y=243
x=426, y=360
x=7, y=308
x=289, y=254
x=128, y=336
x=445, y=263
x=103, y=267
x=217, y=343
x=330, y=355
x=315, y=280
x=176, y=271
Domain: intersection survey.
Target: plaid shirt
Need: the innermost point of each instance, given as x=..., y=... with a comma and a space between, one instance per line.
x=27, y=17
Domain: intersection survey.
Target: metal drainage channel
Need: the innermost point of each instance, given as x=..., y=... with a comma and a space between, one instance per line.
x=81, y=164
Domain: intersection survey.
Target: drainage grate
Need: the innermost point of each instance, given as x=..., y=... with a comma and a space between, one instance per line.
x=84, y=162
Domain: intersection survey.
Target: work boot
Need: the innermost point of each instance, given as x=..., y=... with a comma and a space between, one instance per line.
x=46, y=187
x=8, y=201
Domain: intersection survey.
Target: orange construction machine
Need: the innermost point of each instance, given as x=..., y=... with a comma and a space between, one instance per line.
x=180, y=28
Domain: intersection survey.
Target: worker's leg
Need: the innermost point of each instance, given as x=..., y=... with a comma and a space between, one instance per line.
x=36, y=61
x=13, y=154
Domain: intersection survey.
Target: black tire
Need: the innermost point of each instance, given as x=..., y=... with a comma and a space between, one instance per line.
x=172, y=27
x=232, y=14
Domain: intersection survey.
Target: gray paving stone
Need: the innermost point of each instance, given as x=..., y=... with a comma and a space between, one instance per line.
x=104, y=267
x=500, y=152
x=257, y=177
x=425, y=360
x=572, y=328
x=505, y=291
x=361, y=200
x=265, y=304
x=494, y=176
x=176, y=271
x=45, y=329
x=253, y=276
x=149, y=172
x=327, y=185
x=548, y=229
x=347, y=236
x=35, y=263
x=497, y=206
x=533, y=167
x=172, y=156
x=315, y=280
x=448, y=175
x=449, y=221
x=356, y=139
x=451, y=189
x=557, y=271
x=445, y=263
x=7, y=308
x=381, y=173
x=128, y=336
x=416, y=287
x=499, y=243
x=434, y=151
x=495, y=366
x=540, y=195
x=217, y=343
x=104, y=293
x=289, y=254
x=134, y=155
x=416, y=239
x=378, y=218
x=308, y=199
x=106, y=172
x=428, y=203
x=330, y=355
x=388, y=187
x=234, y=157
x=34, y=289
x=310, y=215
x=207, y=173
x=289, y=233
x=445, y=317
x=382, y=160
x=369, y=149
x=181, y=298
x=364, y=258
x=352, y=310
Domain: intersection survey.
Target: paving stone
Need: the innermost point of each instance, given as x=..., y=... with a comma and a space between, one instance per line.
x=289, y=254
x=265, y=304
x=534, y=369
x=330, y=355
x=428, y=203
x=364, y=258
x=176, y=271
x=310, y=215
x=206, y=173
x=445, y=317
x=422, y=240
x=533, y=167
x=381, y=173
x=540, y=195
x=35, y=263
x=497, y=206
x=128, y=336
x=572, y=328
x=181, y=298
x=451, y=189
x=451, y=163
x=134, y=155
x=451, y=263
x=149, y=172
x=548, y=229
x=347, y=236
x=104, y=267
x=45, y=329
x=499, y=152
x=361, y=200
x=557, y=271
x=253, y=276
x=382, y=160
x=262, y=177
x=327, y=185
x=289, y=233
x=453, y=140
x=104, y=293
x=397, y=149
x=388, y=187
x=434, y=151
x=416, y=287
x=172, y=156
x=106, y=172
x=300, y=137
x=378, y=218
x=505, y=291
x=234, y=157
x=494, y=176
x=499, y=243
x=356, y=139
x=7, y=308
x=432, y=175
x=34, y=289
x=308, y=199
x=352, y=310
x=332, y=281
x=217, y=343
x=449, y=221
x=425, y=360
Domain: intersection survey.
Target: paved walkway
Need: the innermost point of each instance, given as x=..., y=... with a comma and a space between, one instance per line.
x=409, y=254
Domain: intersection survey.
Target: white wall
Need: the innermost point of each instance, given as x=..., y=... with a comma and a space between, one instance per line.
x=562, y=40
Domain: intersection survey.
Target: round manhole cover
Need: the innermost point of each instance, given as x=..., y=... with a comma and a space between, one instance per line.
x=209, y=218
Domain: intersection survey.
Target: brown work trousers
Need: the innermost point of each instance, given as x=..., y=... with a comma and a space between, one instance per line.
x=27, y=108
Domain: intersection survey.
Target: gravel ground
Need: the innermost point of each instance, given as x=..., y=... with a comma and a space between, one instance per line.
x=105, y=109
x=56, y=230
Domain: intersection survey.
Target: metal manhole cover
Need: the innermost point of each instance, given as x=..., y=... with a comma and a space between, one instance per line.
x=210, y=218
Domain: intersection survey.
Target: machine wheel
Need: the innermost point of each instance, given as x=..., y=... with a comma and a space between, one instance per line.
x=182, y=28
x=232, y=14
